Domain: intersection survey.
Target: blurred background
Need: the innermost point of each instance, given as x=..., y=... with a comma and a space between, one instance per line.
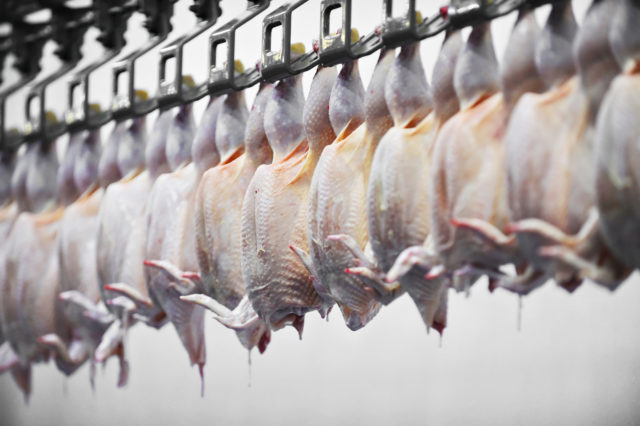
x=563, y=359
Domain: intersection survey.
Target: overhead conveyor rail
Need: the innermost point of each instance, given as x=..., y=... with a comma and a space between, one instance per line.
x=276, y=62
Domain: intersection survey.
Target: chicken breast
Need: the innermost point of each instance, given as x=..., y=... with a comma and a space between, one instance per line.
x=170, y=236
x=120, y=244
x=31, y=282
x=560, y=237
x=399, y=191
x=218, y=216
x=10, y=164
x=274, y=212
x=337, y=202
x=81, y=319
x=468, y=200
x=617, y=142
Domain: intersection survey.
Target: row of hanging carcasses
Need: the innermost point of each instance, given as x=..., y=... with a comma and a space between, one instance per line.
x=350, y=197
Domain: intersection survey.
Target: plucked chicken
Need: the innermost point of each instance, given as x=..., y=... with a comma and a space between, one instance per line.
x=338, y=190
x=121, y=230
x=218, y=215
x=551, y=174
x=31, y=263
x=274, y=211
x=81, y=319
x=11, y=164
x=68, y=192
x=468, y=204
x=170, y=233
x=618, y=142
x=398, y=196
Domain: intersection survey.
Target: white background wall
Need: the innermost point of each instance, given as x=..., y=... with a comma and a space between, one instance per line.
x=574, y=361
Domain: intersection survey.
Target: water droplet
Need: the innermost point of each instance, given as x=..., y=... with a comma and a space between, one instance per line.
x=519, y=325
x=249, y=364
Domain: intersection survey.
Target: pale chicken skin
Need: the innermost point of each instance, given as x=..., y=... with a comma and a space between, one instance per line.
x=337, y=201
x=121, y=229
x=560, y=237
x=8, y=214
x=13, y=172
x=398, y=195
x=31, y=263
x=81, y=319
x=274, y=212
x=32, y=281
x=467, y=173
x=218, y=227
x=170, y=236
x=468, y=200
x=617, y=142
x=120, y=241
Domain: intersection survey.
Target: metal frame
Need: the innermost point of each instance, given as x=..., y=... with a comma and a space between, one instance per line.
x=222, y=78
x=274, y=65
x=125, y=106
x=173, y=93
x=278, y=64
x=68, y=28
x=27, y=43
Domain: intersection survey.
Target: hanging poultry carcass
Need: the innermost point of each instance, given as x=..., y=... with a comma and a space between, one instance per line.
x=274, y=211
x=468, y=200
x=8, y=213
x=618, y=142
x=551, y=173
x=13, y=172
x=66, y=184
x=218, y=216
x=82, y=315
x=31, y=263
x=121, y=228
x=398, y=193
x=338, y=190
x=170, y=239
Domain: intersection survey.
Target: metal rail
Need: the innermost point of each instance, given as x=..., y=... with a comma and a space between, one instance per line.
x=276, y=61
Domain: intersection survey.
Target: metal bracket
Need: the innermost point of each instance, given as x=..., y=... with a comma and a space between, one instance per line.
x=463, y=13
x=172, y=93
x=222, y=78
x=401, y=30
x=82, y=116
x=28, y=41
x=125, y=105
x=275, y=63
x=112, y=22
x=5, y=48
x=15, y=10
x=337, y=48
x=69, y=26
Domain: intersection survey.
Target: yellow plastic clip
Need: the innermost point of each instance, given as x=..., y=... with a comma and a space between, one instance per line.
x=297, y=48
x=141, y=95
x=238, y=67
x=50, y=117
x=355, y=36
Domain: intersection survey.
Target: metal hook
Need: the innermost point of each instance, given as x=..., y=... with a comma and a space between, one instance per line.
x=28, y=41
x=463, y=13
x=5, y=48
x=337, y=48
x=276, y=64
x=69, y=26
x=112, y=22
x=157, y=23
x=400, y=30
x=172, y=93
x=222, y=78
